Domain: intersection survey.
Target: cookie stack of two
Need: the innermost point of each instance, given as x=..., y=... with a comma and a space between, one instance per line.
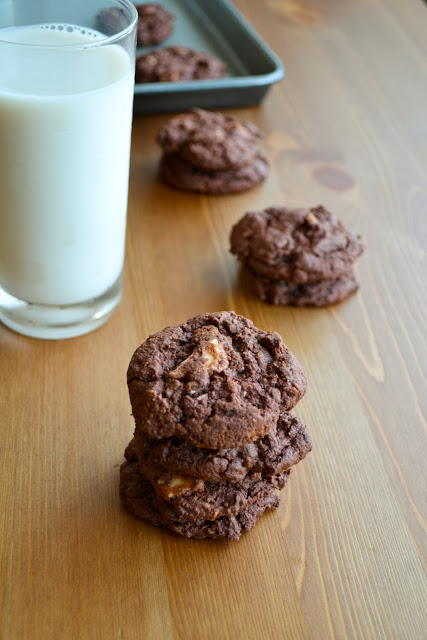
x=208, y=152
x=298, y=257
x=214, y=438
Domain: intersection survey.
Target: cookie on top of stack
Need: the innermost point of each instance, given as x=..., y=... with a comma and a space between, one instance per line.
x=215, y=438
x=297, y=257
x=208, y=152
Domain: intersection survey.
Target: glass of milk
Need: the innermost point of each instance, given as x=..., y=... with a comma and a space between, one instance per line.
x=66, y=97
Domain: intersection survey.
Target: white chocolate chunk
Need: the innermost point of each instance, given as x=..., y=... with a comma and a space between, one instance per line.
x=209, y=355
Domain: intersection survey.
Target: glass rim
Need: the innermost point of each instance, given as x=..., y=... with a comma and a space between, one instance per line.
x=87, y=45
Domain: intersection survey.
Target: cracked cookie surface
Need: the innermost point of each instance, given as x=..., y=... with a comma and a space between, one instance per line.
x=284, y=446
x=209, y=140
x=177, y=64
x=216, y=381
x=311, y=294
x=295, y=245
x=155, y=24
x=179, y=174
x=139, y=497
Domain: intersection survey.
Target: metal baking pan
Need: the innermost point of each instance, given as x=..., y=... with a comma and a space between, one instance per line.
x=217, y=28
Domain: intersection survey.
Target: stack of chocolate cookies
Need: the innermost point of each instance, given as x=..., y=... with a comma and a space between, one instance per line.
x=208, y=152
x=214, y=438
x=297, y=256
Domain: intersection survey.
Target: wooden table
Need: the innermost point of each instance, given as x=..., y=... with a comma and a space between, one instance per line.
x=342, y=557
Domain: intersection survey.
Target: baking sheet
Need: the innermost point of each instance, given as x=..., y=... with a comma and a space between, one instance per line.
x=217, y=28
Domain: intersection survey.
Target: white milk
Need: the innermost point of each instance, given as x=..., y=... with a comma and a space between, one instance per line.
x=64, y=162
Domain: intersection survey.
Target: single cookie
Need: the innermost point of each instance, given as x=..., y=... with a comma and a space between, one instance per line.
x=177, y=64
x=215, y=500
x=216, y=381
x=295, y=245
x=210, y=141
x=316, y=294
x=155, y=24
x=139, y=497
x=179, y=174
x=111, y=21
x=284, y=446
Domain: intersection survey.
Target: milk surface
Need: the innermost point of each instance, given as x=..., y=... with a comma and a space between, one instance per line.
x=65, y=122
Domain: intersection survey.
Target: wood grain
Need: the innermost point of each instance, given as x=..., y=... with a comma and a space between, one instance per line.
x=344, y=555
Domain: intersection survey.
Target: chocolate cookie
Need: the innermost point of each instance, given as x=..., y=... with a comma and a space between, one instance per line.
x=177, y=64
x=284, y=446
x=180, y=175
x=316, y=294
x=295, y=245
x=216, y=500
x=155, y=24
x=111, y=20
x=216, y=381
x=139, y=497
x=210, y=141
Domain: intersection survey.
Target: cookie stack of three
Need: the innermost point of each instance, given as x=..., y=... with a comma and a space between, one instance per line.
x=214, y=437
x=207, y=152
x=297, y=256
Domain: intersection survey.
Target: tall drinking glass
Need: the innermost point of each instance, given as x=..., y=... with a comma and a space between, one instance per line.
x=66, y=96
